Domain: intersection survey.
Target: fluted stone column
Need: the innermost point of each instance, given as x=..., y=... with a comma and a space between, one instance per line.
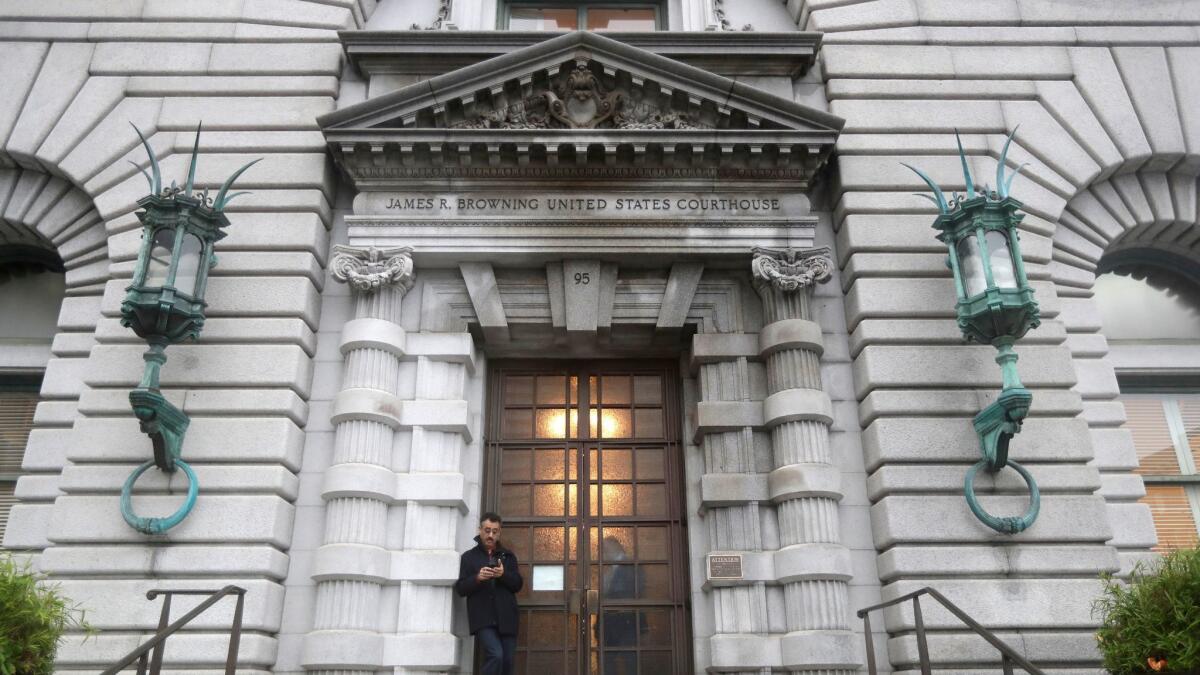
x=812, y=564
x=352, y=564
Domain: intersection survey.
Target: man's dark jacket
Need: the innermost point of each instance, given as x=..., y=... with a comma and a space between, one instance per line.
x=492, y=602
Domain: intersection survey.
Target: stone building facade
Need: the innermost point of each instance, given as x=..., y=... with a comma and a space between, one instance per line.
x=662, y=298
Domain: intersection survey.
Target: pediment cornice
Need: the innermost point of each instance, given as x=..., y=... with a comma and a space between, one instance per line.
x=585, y=102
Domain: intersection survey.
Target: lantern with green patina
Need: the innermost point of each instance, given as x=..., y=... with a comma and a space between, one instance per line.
x=164, y=305
x=995, y=306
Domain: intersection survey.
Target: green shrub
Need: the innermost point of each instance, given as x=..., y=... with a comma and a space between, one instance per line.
x=1154, y=617
x=33, y=617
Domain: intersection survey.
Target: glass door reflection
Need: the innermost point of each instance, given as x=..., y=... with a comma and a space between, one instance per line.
x=582, y=471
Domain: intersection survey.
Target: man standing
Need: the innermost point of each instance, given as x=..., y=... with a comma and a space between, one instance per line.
x=488, y=577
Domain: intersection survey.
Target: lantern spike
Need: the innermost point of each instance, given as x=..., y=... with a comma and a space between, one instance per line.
x=156, y=182
x=1001, y=184
x=148, y=179
x=938, y=198
x=229, y=198
x=1008, y=183
x=191, y=178
x=220, y=200
x=962, y=156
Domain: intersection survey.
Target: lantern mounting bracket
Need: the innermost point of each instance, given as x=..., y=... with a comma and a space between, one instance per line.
x=995, y=306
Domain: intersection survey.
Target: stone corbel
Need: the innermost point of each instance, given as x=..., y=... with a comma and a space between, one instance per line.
x=369, y=269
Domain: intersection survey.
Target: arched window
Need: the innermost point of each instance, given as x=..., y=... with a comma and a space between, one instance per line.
x=1149, y=304
x=31, y=291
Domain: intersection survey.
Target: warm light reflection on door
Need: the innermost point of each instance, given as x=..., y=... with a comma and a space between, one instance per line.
x=612, y=423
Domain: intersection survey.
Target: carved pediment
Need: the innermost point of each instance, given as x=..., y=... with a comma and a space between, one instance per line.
x=579, y=100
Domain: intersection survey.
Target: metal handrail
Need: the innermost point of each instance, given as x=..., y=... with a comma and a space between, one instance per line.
x=1008, y=655
x=165, y=630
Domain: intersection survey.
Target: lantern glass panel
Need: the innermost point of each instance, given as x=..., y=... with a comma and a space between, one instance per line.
x=159, y=261
x=970, y=263
x=188, y=271
x=1000, y=258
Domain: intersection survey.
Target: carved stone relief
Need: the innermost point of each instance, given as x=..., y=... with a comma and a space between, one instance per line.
x=368, y=269
x=791, y=270
x=578, y=99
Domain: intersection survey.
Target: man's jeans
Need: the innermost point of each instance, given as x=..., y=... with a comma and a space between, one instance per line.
x=498, y=651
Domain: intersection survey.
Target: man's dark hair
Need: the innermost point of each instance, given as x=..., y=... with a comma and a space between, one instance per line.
x=494, y=517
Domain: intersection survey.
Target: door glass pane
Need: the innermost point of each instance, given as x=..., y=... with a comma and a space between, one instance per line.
x=619, y=630
x=516, y=538
x=551, y=390
x=649, y=423
x=649, y=463
x=652, y=543
x=550, y=465
x=518, y=390
x=548, y=500
x=614, y=390
x=652, y=500
x=620, y=663
x=647, y=390
x=546, y=663
x=515, y=500
x=617, y=544
x=616, y=499
x=548, y=543
x=656, y=628
x=517, y=423
x=535, y=18
x=655, y=662
x=514, y=465
x=617, y=464
x=551, y=423
x=654, y=582
x=615, y=423
x=621, y=582
x=546, y=629
x=617, y=19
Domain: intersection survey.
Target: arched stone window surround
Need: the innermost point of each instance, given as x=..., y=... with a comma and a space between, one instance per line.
x=1146, y=219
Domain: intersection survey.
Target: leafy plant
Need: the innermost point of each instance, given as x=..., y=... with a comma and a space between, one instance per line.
x=1152, y=623
x=33, y=617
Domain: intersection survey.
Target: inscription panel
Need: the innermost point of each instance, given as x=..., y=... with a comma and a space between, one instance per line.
x=724, y=567
x=533, y=205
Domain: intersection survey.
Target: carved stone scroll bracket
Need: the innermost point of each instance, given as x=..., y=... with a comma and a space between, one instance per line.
x=790, y=270
x=369, y=269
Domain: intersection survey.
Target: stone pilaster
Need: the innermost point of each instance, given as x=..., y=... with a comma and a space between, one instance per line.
x=811, y=564
x=353, y=562
x=733, y=521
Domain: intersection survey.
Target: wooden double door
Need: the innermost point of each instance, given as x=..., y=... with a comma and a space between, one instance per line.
x=584, y=467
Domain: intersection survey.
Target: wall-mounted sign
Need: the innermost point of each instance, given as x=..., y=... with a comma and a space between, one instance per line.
x=539, y=205
x=725, y=567
x=547, y=577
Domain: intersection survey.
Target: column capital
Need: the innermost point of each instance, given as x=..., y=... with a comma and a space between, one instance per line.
x=369, y=269
x=790, y=270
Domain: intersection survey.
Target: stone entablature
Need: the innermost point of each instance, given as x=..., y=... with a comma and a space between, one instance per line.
x=580, y=106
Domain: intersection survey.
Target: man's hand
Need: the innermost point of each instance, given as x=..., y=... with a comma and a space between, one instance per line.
x=486, y=573
x=499, y=568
